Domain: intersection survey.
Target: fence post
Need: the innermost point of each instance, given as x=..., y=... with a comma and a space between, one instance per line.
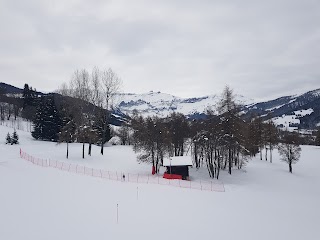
x=117, y=213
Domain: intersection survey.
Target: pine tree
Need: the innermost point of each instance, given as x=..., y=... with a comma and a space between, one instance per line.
x=15, y=138
x=8, y=139
x=47, y=122
x=38, y=121
x=28, y=95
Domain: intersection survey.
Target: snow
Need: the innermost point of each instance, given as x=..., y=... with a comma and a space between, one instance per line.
x=162, y=104
x=291, y=122
x=177, y=161
x=263, y=201
x=316, y=92
x=285, y=121
x=276, y=107
x=303, y=112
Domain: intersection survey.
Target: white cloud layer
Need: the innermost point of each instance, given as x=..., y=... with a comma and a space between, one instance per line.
x=262, y=49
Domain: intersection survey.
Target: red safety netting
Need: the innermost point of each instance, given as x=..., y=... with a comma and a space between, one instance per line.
x=124, y=177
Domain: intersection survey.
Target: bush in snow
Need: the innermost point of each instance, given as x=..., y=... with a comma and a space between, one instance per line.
x=8, y=139
x=15, y=138
x=115, y=140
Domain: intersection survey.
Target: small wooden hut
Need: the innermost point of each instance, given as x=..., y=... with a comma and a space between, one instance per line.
x=177, y=167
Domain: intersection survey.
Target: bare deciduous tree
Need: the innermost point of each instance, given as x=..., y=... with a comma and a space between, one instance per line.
x=290, y=149
x=110, y=86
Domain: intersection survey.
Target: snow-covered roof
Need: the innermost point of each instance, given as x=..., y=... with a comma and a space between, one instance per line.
x=177, y=161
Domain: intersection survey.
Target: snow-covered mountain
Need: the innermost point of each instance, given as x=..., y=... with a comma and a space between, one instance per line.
x=297, y=111
x=162, y=104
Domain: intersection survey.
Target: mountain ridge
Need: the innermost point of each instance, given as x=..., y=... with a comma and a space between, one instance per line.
x=303, y=109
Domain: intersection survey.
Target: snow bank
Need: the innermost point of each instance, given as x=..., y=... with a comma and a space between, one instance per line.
x=263, y=201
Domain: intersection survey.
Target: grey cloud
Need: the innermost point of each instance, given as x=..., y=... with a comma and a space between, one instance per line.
x=189, y=48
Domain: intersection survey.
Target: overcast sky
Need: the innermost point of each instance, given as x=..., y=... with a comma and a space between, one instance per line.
x=261, y=49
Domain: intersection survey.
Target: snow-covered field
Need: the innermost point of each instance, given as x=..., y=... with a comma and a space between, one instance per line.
x=291, y=122
x=263, y=201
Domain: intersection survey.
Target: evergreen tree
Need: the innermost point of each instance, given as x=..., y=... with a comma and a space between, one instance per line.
x=8, y=139
x=47, y=122
x=29, y=103
x=28, y=96
x=15, y=138
x=38, y=121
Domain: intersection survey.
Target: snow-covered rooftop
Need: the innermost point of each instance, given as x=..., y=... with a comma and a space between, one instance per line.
x=177, y=161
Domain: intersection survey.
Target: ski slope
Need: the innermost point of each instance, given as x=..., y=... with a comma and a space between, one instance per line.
x=263, y=201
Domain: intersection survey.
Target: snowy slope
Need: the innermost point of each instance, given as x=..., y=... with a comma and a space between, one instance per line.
x=292, y=112
x=162, y=104
x=261, y=202
x=291, y=122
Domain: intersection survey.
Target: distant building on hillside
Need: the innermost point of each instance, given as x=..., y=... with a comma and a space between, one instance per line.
x=177, y=167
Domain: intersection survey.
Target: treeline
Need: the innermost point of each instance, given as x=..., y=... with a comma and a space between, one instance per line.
x=221, y=141
x=9, y=107
x=79, y=112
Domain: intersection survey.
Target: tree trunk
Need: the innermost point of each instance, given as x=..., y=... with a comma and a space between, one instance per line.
x=219, y=164
x=266, y=155
x=83, y=150
x=290, y=167
x=260, y=153
x=101, y=151
x=89, y=149
x=67, y=150
x=102, y=141
x=230, y=165
x=270, y=154
x=196, y=156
